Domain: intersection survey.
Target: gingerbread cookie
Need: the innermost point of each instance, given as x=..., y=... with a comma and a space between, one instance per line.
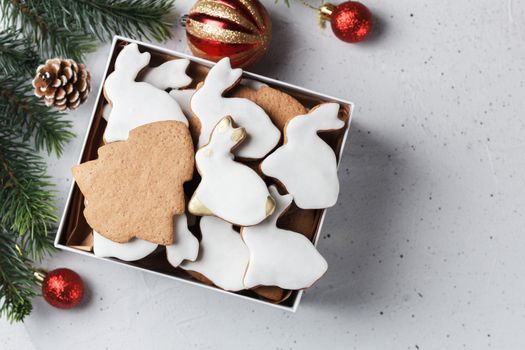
x=135, y=103
x=106, y=111
x=133, y=250
x=183, y=98
x=280, y=257
x=134, y=188
x=185, y=245
x=209, y=106
x=169, y=75
x=223, y=256
x=305, y=164
x=280, y=106
x=228, y=189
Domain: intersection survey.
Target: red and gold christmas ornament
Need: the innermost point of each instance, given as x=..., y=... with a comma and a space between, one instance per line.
x=238, y=29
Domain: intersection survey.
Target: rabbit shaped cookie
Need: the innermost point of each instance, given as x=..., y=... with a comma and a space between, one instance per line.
x=223, y=256
x=135, y=103
x=169, y=75
x=209, y=107
x=305, y=164
x=133, y=250
x=228, y=189
x=185, y=246
x=280, y=257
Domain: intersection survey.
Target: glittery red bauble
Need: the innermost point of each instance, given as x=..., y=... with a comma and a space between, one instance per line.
x=238, y=29
x=63, y=288
x=351, y=21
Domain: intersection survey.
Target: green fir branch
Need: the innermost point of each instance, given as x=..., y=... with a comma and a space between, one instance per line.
x=105, y=18
x=27, y=116
x=17, y=55
x=49, y=37
x=26, y=195
x=45, y=28
x=17, y=284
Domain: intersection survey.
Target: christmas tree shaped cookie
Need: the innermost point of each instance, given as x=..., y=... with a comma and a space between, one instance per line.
x=305, y=164
x=280, y=257
x=228, y=189
x=135, y=187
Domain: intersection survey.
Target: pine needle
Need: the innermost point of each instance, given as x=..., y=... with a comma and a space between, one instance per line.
x=50, y=38
x=16, y=54
x=17, y=284
x=27, y=116
x=133, y=18
x=26, y=195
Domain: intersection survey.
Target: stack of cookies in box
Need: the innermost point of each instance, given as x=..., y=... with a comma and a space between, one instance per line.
x=206, y=174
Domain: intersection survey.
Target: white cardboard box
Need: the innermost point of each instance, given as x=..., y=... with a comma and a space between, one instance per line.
x=292, y=303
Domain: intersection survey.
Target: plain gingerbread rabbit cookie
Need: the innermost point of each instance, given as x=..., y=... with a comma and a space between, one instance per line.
x=280, y=257
x=305, y=164
x=209, y=106
x=228, y=189
x=135, y=103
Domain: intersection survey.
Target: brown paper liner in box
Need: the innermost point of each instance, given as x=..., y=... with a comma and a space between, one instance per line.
x=77, y=232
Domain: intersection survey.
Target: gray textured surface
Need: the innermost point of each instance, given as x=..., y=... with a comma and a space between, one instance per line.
x=426, y=244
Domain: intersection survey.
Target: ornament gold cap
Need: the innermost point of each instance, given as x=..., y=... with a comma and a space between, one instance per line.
x=325, y=11
x=40, y=275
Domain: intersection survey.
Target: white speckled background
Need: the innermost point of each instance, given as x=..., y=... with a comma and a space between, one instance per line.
x=426, y=246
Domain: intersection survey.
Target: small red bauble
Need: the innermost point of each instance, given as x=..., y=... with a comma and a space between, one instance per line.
x=63, y=288
x=351, y=21
x=238, y=29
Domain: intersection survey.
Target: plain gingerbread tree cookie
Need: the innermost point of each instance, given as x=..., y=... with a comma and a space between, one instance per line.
x=228, y=189
x=135, y=103
x=305, y=164
x=209, y=106
x=135, y=187
x=280, y=257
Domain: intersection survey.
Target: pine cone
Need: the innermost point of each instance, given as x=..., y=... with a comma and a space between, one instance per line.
x=62, y=83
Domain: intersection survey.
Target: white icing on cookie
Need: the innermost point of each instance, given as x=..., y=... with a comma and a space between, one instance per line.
x=185, y=245
x=209, y=106
x=228, y=189
x=170, y=74
x=305, y=164
x=135, y=249
x=135, y=103
x=106, y=111
x=183, y=98
x=223, y=256
x=252, y=84
x=280, y=257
